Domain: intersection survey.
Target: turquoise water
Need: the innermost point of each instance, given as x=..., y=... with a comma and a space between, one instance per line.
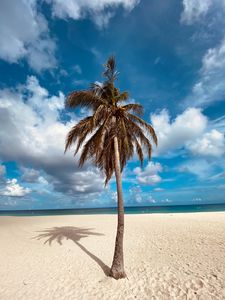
x=112, y=210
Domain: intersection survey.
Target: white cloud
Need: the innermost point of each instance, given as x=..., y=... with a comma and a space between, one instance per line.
x=150, y=199
x=100, y=11
x=33, y=135
x=174, y=134
x=219, y=123
x=199, y=167
x=149, y=176
x=166, y=200
x=194, y=9
x=210, y=86
x=30, y=175
x=197, y=199
x=41, y=54
x=13, y=189
x=190, y=131
x=210, y=144
x=137, y=196
x=24, y=31
x=200, y=11
x=209, y=15
x=24, y=35
x=47, y=107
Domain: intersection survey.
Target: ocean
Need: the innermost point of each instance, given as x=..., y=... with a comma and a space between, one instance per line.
x=113, y=210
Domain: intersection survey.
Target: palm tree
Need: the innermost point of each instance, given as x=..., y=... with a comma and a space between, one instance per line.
x=110, y=137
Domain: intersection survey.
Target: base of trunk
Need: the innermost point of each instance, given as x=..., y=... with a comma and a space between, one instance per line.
x=117, y=274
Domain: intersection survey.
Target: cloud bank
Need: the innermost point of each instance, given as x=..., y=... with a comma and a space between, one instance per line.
x=30, y=119
x=25, y=35
x=189, y=131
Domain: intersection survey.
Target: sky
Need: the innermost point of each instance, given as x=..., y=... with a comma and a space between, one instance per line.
x=171, y=59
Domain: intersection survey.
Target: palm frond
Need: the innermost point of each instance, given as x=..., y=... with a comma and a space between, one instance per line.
x=100, y=114
x=139, y=151
x=97, y=88
x=81, y=140
x=138, y=132
x=147, y=126
x=122, y=97
x=94, y=144
x=110, y=69
x=84, y=98
x=135, y=108
x=76, y=130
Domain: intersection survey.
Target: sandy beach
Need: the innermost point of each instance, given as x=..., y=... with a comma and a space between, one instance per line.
x=167, y=256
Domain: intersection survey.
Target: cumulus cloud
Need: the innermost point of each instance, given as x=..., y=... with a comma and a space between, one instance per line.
x=209, y=15
x=207, y=11
x=100, y=11
x=30, y=175
x=137, y=196
x=174, y=134
x=189, y=131
x=210, y=144
x=194, y=9
x=24, y=35
x=210, y=87
x=13, y=189
x=149, y=175
x=199, y=167
x=30, y=119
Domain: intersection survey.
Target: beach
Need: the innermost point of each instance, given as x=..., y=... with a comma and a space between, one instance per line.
x=167, y=256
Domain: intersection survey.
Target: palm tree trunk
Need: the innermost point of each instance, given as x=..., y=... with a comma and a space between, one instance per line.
x=117, y=269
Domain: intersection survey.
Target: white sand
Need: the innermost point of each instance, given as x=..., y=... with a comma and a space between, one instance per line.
x=167, y=256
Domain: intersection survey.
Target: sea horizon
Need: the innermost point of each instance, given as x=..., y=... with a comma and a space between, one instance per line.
x=148, y=209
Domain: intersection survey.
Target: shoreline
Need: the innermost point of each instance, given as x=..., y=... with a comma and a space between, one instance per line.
x=164, y=209
x=115, y=214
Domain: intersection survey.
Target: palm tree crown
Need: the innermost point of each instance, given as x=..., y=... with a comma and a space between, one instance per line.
x=111, y=118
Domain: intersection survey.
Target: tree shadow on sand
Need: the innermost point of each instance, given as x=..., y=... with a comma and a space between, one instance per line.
x=74, y=234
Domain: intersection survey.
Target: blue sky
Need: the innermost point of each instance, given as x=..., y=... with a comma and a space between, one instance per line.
x=171, y=59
